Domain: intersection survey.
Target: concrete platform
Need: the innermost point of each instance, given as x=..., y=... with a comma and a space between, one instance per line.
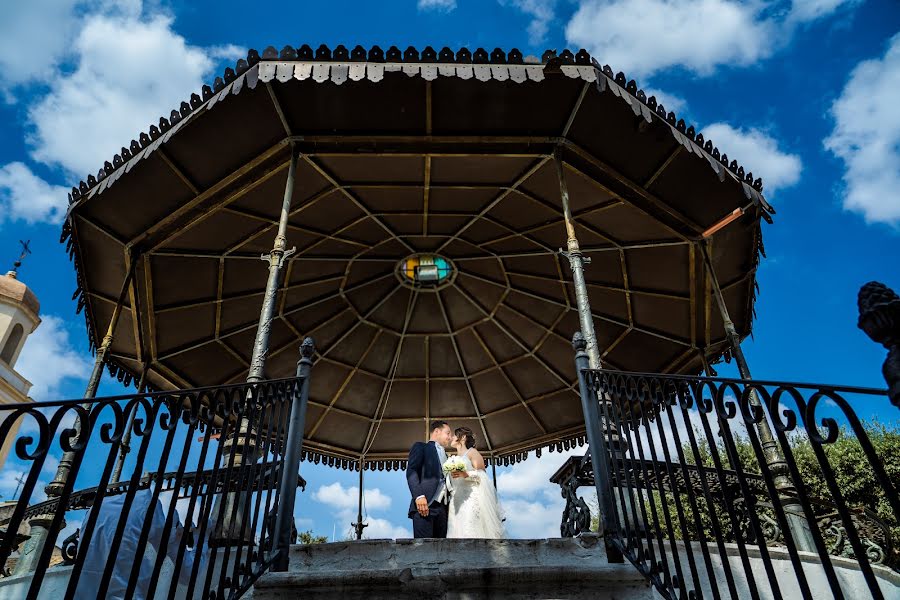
x=454, y=570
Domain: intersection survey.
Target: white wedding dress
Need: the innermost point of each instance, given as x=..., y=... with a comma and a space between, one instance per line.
x=474, y=509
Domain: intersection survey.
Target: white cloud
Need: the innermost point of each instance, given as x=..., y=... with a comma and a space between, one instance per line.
x=532, y=504
x=26, y=197
x=344, y=506
x=758, y=152
x=48, y=359
x=866, y=137
x=532, y=519
x=642, y=37
x=115, y=90
x=532, y=477
x=438, y=5
x=33, y=38
x=11, y=488
x=339, y=497
x=810, y=10
x=542, y=13
x=384, y=529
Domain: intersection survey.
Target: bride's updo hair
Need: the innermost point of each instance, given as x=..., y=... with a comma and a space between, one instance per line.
x=466, y=435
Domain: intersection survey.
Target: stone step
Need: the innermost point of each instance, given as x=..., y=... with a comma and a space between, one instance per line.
x=453, y=569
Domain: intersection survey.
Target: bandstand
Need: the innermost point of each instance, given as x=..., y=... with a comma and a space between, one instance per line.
x=442, y=225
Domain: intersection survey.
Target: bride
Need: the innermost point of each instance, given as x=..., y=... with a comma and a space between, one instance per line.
x=474, y=509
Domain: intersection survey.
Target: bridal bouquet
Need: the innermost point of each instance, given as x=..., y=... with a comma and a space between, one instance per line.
x=454, y=463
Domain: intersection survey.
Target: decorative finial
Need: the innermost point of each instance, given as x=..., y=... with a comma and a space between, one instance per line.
x=308, y=348
x=578, y=342
x=25, y=252
x=879, y=318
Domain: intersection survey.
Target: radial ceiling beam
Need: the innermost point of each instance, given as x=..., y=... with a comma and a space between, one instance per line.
x=629, y=191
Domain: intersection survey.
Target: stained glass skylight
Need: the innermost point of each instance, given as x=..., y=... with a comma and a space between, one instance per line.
x=425, y=270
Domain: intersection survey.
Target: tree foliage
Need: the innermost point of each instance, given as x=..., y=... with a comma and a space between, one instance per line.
x=308, y=537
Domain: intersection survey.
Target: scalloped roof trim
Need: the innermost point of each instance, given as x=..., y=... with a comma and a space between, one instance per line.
x=340, y=65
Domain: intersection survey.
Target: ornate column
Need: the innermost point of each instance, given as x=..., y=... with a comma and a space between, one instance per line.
x=41, y=530
x=577, y=261
x=55, y=487
x=242, y=444
x=797, y=522
x=359, y=526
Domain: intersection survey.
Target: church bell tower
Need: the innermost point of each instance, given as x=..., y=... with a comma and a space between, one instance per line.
x=19, y=310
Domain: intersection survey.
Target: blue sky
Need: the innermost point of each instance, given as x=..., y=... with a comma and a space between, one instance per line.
x=803, y=92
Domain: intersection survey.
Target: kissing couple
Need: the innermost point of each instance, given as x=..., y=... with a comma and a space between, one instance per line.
x=452, y=497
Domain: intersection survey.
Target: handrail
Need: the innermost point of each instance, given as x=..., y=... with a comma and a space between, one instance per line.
x=233, y=487
x=657, y=429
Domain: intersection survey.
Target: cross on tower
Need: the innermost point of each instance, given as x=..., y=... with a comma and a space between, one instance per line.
x=20, y=479
x=25, y=252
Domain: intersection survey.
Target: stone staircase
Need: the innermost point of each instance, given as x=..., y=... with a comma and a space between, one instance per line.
x=572, y=568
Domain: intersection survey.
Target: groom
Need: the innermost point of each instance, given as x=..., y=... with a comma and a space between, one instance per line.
x=427, y=483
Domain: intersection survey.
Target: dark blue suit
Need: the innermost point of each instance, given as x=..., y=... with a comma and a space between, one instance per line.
x=425, y=476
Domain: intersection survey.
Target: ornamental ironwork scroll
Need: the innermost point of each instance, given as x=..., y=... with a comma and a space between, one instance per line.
x=183, y=464
x=694, y=477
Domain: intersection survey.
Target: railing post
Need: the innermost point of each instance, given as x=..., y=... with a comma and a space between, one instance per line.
x=294, y=447
x=879, y=318
x=590, y=406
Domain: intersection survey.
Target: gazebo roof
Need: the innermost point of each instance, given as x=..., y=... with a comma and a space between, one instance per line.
x=409, y=154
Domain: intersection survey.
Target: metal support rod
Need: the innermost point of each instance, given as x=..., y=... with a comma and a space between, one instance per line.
x=577, y=261
x=494, y=471
x=55, y=487
x=276, y=261
x=124, y=445
x=287, y=493
x=600, y=460
x=359, y=525
x=799, y=525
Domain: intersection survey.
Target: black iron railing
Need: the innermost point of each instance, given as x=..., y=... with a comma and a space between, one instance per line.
x=211, y=483
x=712, y=487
